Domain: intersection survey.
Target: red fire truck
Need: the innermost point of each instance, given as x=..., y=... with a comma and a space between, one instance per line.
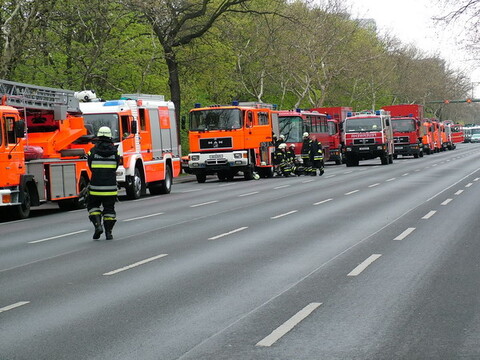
x=145, y=131
x=407, y=129
x=368, y=135
x=226, y=140
x=43, y=147
x=335, y=119
x=294, y=123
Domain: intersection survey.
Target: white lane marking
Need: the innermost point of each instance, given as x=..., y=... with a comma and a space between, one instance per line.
x=468, y=185
x=223, y=185
x=417, y=170
x=404, y=234
x=358, y=270
x=248, y=194
x=429, y=215
x=454, y=184
x=288, y=325
x=476, y=179
x=348, y=172
x=142, y=217
x=187, y=191
x=307, y=181
x=459, y=192
x=373, y=185
x=329, y=176
x=228, y=233
x=16, y=221
x=205, y=203
x=322, y=202
x=434, y=165
x=285, y=214
x=281, y=187
x=391, y=179
x=446, y=202
x=57, y=237
x=406, y=174
x=13, y=306
x=113, y=272
x=352, y=192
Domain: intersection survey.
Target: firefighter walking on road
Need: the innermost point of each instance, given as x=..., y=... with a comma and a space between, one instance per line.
x=318, y=161
x=103, y=160
x=306, y=154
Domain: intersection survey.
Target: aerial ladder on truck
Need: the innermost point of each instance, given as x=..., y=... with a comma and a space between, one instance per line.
x=43, y=145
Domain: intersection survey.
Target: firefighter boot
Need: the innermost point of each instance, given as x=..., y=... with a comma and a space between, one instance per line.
x=109, y=223
x=97, y=223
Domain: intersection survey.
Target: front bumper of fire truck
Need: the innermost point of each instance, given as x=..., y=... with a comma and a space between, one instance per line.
x=377, y=149
x=201, y=162
x=9, y=197
x=407, y=149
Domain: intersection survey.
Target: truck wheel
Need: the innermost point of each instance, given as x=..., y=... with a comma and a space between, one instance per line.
x=22, y=211
x=164, y=186
x=135, y=185
x=384, y=160
x=390, y=159
x=201, y=178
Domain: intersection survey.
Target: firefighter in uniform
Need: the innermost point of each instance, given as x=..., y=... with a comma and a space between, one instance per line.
x=292, y=158
x=103, y=160
x=318, y=163
x=306, y=154
x=284, y=168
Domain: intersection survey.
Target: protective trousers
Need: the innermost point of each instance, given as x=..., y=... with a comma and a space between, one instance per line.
x=96, y=214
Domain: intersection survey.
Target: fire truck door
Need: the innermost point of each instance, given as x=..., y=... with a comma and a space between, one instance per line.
x=156, y=134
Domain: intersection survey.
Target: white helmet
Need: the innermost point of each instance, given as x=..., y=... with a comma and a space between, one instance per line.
x=306, y=134
x=291, y=145
x=282, y=146
x=104, y=131
x=282, y=137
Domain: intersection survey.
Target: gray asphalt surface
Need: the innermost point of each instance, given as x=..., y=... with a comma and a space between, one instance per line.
x=370, y=262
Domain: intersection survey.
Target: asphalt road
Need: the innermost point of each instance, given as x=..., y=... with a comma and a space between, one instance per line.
x=368, y=262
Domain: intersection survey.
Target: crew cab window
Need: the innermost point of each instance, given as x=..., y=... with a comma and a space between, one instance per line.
x=10, y=129
x=263, y=118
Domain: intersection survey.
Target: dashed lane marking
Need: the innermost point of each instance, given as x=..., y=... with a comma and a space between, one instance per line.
x=228, y=233
x=352, y=192
x=205, y=203
x=446, y=202
x=248, y=194
x=128, y=267
x=57, y=237
x=358, y=270
x=283, y=329
x=459, y=192
x=404, y=234
x=429, y=215
x=373, y=185
x=322, y=202
x=285, y=214
x=143, y=217
x=13, y=306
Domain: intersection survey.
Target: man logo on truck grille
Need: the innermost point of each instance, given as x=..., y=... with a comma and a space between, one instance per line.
x=216, y=143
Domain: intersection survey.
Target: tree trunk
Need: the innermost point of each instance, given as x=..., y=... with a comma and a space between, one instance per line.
x=174, y=84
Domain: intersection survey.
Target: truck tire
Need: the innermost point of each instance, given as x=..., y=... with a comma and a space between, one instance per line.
x=135, y=186
x=22, y=211
x=163, y=186
x=384, y=160
x=201, y=178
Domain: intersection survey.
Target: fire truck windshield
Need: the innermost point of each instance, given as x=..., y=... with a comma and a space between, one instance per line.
x=93, y=122
x=363, y=124
x=215, y=119
x=403, y=125
x=291, y=127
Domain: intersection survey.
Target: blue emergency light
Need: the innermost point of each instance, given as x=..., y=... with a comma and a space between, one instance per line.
x=197, y=105
x=235, y=102
x=378, y=112
x=114, y=103
x=349, y=114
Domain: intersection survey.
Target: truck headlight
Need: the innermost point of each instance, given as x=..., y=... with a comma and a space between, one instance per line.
x=195, y=157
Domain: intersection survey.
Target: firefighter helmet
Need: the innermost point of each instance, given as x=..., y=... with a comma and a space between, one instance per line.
x=282, y=146
x=104, y=131
x=282, y=137
x=291, y=145
x=305, y=134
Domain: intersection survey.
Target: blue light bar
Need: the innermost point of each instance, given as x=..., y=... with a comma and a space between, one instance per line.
x=197, y=105
x=235, y=102
x=410, y=115
x=349, y=114
x=114, y=103
x=378, y=112
x=298, y=110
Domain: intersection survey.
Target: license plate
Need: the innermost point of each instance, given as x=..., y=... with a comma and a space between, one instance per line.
x=364, y=148
x=399, y=147
x=215, y=156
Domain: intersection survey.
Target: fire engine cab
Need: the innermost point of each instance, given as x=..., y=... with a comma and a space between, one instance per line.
x=226, y=140
x=368, y=135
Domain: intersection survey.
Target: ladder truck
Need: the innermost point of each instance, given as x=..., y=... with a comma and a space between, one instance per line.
x=43, y=146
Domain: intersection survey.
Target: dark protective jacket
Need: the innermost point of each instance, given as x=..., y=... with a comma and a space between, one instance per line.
x=307, y=147
x=103, y=160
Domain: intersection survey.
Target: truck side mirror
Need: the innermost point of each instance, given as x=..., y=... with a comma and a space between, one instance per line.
x=19, y=129
x=134, y=127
